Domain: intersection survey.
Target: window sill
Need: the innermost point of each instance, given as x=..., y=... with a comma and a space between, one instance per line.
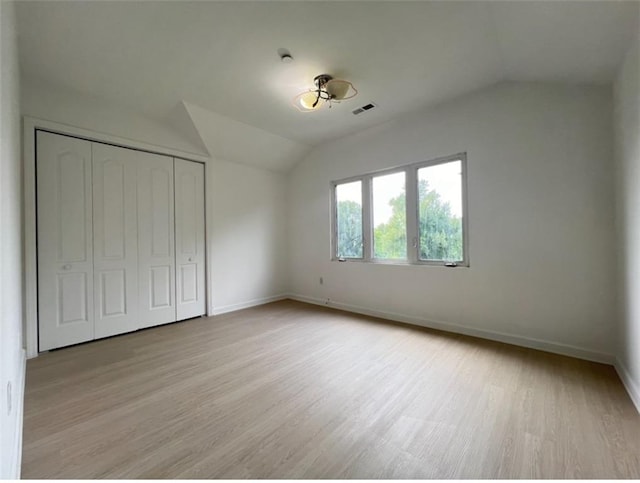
x=402, y=263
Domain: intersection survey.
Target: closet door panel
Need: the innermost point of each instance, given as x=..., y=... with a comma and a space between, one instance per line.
x=190, y=241
x=115, y=240
x=65, y=245
x=156, y=249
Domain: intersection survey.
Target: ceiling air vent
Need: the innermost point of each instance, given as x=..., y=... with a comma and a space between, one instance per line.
x=362, y=109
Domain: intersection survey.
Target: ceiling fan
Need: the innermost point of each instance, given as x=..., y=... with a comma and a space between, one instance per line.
x=327, y=90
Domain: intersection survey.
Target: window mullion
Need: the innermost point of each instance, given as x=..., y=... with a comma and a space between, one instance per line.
x=465, y=212
x=334, y=221
x=367, y=229
x=412, y=214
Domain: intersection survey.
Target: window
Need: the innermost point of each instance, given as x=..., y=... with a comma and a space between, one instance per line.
x=440, y=212
x=349, y=220
x=389, y=216
x=414, y=214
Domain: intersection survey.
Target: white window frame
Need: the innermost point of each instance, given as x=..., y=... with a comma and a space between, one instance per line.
x=334, y=219
x=413, y=215
x=392, y=261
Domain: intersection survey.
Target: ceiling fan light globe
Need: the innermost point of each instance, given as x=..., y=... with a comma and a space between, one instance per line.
x=306, y=100
x=340, y=89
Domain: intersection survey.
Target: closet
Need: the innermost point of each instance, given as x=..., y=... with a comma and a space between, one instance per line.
x=120, y=238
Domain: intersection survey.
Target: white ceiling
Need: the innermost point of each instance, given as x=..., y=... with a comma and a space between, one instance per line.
x=221, y=56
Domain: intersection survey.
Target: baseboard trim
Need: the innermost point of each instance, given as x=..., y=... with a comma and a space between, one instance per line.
x=531, y=343
x=17, y=441
x=629, y=384
x=245, y=305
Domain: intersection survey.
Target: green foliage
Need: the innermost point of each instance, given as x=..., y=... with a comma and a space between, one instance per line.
x=390, y=239
x=440, y=230
x=349, y=229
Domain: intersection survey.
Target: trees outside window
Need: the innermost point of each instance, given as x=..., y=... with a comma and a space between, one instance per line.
x=440, y=212
x=389, y=217
x=437, y=219
x=349, y=220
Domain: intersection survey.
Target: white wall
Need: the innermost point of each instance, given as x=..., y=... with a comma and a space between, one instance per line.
x=627, y=149
x=54, y=103
x=249, y=246
x=11, y=352
x=541, y=226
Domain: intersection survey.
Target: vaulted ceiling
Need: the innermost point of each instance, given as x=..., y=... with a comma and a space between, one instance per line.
x=221, y=59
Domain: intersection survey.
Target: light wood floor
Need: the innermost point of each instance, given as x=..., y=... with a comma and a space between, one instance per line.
x=289, y=390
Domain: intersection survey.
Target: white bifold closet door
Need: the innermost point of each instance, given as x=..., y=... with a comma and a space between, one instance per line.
x=65, y=240
x=115, y=243
x=190, y=240
x=120, y=240
x=156, y=251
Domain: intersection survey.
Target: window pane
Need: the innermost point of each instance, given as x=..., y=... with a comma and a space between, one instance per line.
x=389, y=217
x=440, y=211
x=349, y=220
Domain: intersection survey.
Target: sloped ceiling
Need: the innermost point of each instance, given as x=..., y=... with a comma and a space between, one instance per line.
x=220, y=59
x=238, y=142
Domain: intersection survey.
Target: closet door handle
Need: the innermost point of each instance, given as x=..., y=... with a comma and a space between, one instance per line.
x=190, y=259
x=66, y=267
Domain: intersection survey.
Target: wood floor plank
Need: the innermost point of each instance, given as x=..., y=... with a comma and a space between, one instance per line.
x=290, y=390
